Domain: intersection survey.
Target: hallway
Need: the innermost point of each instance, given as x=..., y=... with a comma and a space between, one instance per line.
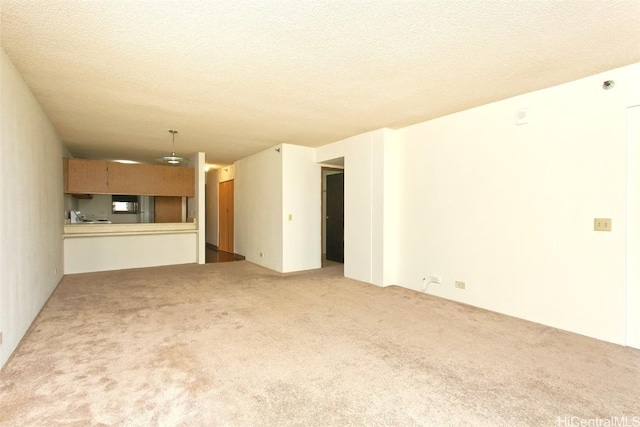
x=214, y=255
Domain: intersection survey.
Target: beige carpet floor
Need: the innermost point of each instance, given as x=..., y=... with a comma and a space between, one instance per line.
x=234, y=344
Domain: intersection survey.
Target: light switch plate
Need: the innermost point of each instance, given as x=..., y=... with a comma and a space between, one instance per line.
x=522, y=116
x=602, y=224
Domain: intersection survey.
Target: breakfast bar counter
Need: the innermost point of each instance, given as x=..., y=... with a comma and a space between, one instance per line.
x=85, y=230
x=104, y=247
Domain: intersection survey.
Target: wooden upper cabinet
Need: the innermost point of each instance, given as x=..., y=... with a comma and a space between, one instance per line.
x=101, y=177
x=85, y=176
x=174, y=181
x=151, y=180
x=131, y=179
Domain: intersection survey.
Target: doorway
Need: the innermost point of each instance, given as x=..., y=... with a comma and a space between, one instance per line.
x=225, y=217
x=333, y=214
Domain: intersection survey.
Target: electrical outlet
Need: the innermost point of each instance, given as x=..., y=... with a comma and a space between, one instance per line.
x=602, y=224
x=261, y=254
x=461, y=285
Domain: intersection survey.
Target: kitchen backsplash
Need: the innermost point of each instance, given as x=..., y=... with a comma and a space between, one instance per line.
x=99, y=207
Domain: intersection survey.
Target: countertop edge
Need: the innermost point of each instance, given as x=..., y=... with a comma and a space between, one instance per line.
x=126, y=233
x=80, y=230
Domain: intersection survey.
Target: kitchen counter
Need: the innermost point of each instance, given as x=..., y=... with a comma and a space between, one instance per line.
x=92, y=230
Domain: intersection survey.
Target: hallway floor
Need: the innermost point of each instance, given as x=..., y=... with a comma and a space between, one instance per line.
x=214, y=255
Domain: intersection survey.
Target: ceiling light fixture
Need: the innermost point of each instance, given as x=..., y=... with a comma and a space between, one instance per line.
x=172, y=159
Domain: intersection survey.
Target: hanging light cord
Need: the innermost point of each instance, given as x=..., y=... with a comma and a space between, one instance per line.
x=173, y=140
x=172, y=159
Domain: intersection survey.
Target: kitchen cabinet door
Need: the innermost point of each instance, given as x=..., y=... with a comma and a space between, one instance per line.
x=85, y=176
x=101, y=177
x=151, y=180
x=174, y=181
x=168, y=209
x=130, y=179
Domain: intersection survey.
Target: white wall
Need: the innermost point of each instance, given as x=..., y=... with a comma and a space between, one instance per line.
x=633, y=228
x=70, y=204
x=211, y=211
x=358, y=208
x=391, y=208
x=370, y=162
x=301, y=209
x=269, y=186
x=258, y=208
x=226, y=173
x=194, y=207
x=31, y=219
x=197, y=209
x=117, y=252
x=509, y=209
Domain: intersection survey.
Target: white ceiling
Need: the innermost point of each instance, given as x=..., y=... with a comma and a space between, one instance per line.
x=235, y=77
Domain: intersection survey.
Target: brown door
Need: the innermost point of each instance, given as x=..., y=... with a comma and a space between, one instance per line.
x=168, y=208
x=225, y=234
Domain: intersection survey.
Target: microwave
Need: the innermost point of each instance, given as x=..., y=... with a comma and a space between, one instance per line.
x=124, y=204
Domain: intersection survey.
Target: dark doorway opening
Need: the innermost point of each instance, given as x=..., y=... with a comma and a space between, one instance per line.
x=335, y=217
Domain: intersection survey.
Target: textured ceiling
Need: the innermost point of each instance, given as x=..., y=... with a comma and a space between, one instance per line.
x=236, y=77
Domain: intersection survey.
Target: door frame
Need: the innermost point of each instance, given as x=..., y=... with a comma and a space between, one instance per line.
x=220, y=216
x=323, y=206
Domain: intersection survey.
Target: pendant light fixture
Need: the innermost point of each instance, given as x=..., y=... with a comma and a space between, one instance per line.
x=172, y=159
